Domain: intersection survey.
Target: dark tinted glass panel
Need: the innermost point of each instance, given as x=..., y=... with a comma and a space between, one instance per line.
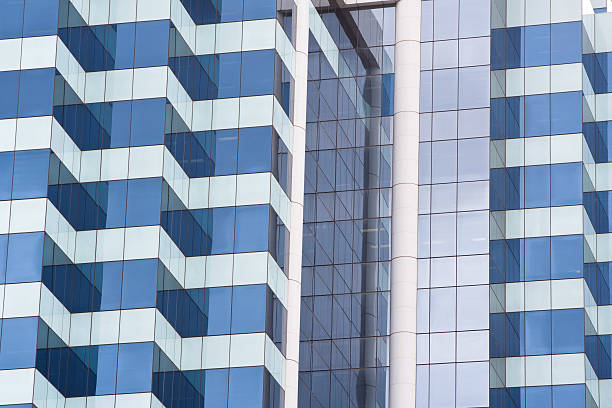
x=123, y=46
x=139, y=284
x=537, y=45
x=227, y=74
x=217, y=308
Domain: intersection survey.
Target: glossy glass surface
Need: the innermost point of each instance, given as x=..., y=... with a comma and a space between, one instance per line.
x=453, y=224
x=346, y=241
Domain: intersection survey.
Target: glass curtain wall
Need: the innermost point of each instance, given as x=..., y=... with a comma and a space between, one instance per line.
x=543, y=343
x=146, y=178
x=347, y=209
x=453, y=300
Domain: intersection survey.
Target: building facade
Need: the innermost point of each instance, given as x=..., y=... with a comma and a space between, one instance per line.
x=548, y=237
x=305, y=203
x=452, y=339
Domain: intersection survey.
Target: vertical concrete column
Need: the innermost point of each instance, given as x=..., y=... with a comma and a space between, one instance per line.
x=301, y=33
x=402, y=353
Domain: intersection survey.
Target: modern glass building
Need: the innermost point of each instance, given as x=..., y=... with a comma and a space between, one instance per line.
x=305, y=203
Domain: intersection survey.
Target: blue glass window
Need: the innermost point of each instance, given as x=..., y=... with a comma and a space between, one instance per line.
x=445, y=88
x=40, y=17
x=257, y=72
x=507, y=188
x=567, y=257
x=515, y=56
x=228, y=75
x=202, y=12
x=515, y=326
x=119, y=124
x=3, y=256
x=537, y=45
x=223, y=152
x=30, y=174
x=9, y=83
x=108, y=282
x=24, y=262
x=139, y=284
x=589, y=62
x=18, y=343
x=218, y=307
x=252, y=228
x=496, y=327
x=537, y=333
x=259, y=9
x=151, y=43
x=116, y=196
x=599, y=69
x=538, y=397
x=123, y=46
x=148, y=121
x=537, y=115
x=229, y=10
x=599, y=136
x=566, y=112
x=143, y=202
x=249, y=309
x=321, y=385
x=537, y=186
x=6, y=169
x=199, y=75
x=566, y=184
x=98, y=57
x=515, y=117
x=215, y=384
x=566, y=42
x=246, y=387
x=36, y=92
x=388, y=90
x=106, y=376
x=499, y=48
x=498, y=118
x=134, y=367
x=11, y=19
x=568, y=331
x=537, y=258
x=255, y=150
x=221, y=230
x=569, y=396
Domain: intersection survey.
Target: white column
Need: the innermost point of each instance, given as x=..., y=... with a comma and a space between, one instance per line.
x=402, y=353
x=297, y=203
